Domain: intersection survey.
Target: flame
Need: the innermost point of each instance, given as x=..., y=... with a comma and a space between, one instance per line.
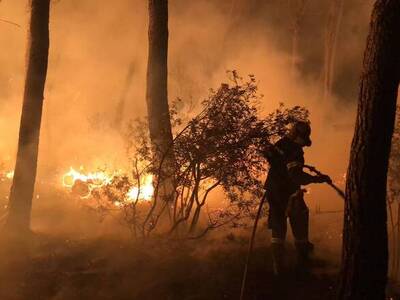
x=10, y=174
x=86, y=183
x=145, y=192
x=7, y=175
x=95, y=179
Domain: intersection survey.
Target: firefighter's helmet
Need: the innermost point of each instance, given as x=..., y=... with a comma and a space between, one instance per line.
x=299, y=132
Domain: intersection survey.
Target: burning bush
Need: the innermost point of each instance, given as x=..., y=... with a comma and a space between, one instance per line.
x=221, y=148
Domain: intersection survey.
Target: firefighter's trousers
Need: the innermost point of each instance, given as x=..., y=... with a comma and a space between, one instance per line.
x=297, y=212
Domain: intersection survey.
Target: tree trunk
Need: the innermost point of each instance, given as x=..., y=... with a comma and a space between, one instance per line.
x=397, y=254
x=157, y=97
x=20, y=203
x=299, y=11
x=119, y=114
x=393, y=190
x=365, y=242
x=332, y=33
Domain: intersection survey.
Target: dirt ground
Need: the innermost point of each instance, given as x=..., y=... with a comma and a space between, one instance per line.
x=73, y=256
x=112, y=269
x=63, y=264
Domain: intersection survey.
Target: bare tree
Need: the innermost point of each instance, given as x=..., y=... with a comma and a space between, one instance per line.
x=119, y=114
x=239, y=14
x=331, y=37
x=365, y=241
x=157, y=95
x=19, y=209
x=298, y=8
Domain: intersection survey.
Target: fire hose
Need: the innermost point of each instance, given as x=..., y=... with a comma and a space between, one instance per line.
x=250, y=249
x=331, y=184
x=253, y=233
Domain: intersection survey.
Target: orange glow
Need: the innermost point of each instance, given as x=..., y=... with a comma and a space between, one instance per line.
x=85, y=183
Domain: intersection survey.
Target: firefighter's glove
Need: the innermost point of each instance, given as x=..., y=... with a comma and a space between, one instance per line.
x=323, y=179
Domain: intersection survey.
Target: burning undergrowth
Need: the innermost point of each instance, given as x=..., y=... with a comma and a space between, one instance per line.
x=217, y=152
x=218, y=155
x=117, y=186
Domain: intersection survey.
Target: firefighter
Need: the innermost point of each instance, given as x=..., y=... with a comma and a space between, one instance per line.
x=285, y=195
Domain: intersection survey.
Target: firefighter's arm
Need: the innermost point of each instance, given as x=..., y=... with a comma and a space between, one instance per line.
x=272, y=154
x=298, y=176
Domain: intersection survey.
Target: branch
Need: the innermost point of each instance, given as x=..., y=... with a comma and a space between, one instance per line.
x=10, y=22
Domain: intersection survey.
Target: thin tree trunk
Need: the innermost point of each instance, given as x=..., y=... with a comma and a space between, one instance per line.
x=157, y=96
x=20, y=203
x=195, y=218
x=331, y=37
x=296, y=30
x=119, y=114
x=365, y=242
x=239, y=13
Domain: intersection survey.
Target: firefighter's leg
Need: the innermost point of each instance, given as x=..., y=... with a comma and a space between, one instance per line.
x=279, y=227
x=299, y=219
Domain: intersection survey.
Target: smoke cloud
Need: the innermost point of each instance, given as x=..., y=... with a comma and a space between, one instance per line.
x=94, y=43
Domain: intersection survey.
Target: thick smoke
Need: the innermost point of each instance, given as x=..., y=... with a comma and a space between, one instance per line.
x=94, y=43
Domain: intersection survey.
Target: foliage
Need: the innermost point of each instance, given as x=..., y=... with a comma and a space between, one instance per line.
x=219, y=152
x=219, y=149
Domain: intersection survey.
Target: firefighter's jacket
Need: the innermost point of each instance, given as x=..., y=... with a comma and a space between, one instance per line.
x=285, y=176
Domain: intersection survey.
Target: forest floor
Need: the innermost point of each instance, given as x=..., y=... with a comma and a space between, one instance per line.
x=71, y=256
x=111, y=269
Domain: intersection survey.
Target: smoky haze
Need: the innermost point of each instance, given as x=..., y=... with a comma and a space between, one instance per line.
x=94, y=43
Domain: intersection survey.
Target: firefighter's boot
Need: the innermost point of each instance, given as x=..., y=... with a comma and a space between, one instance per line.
x=304, y=250
x=277, y=258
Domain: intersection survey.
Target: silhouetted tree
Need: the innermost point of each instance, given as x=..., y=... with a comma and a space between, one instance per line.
x=365, y=242
x=214, y=154
x=157, y=96
x=331, y=37
x=119, y=114
x=393, y=198
x=20, y=203
x=298, y=8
